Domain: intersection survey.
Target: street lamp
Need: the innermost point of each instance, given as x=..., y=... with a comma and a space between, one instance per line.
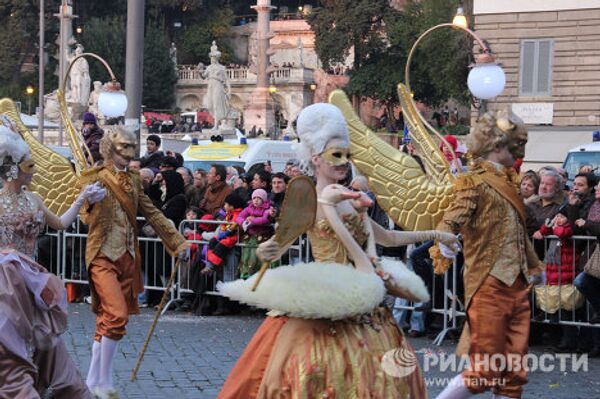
x=112, y=102
x=486, y=78
x=313, y=87
x=79, y=30
x=460, y=19
x=272, y=89
x=29, y=90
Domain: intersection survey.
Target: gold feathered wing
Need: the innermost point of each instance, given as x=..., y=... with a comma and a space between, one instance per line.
x=436, y=165
x=414, y=200
x=55, y=179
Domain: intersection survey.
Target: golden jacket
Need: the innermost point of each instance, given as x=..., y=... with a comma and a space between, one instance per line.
x=484, y=217
x=101, y=216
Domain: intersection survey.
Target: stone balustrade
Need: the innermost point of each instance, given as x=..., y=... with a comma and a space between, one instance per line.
x=189, y=74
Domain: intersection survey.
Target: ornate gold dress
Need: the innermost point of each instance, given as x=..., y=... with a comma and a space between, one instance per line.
x=33, y=311
x=294, y=357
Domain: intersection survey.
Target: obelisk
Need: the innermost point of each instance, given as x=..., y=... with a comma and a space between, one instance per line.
x=260, y=109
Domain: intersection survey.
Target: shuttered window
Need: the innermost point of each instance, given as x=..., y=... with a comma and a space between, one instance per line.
x=535, y=74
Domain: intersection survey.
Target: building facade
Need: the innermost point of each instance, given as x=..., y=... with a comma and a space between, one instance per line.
x=550, y=51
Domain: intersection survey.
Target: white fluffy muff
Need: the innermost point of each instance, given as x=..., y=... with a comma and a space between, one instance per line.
x=311, y=291
x=405, y=278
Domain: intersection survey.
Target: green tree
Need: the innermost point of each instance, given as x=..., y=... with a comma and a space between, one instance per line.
x=197, y=38
x=18, y=46
x=159, y=72
x=439, y=67
x=106, y=37
x=382, y=37
x=344, y=25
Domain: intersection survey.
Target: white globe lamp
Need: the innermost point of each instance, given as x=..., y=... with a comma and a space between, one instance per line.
x=486, y=80
x=112, y=102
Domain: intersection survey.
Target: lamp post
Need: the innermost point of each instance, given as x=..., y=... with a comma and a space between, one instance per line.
x=29, y=90
x=486, y=79
x=41, y=71
x=112, y=103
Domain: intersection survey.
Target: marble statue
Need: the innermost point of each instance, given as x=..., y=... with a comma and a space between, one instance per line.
x=93, y=101
x=300, y=47
x=51, y=107
x=173, y=54
x=218, y=93
x=79, y=91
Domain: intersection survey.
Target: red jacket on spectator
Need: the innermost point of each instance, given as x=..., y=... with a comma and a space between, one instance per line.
x=193, y=236
x=568, y=260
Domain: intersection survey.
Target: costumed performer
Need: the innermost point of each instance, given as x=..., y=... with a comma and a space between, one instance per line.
x=112, y=253
x=499, y=259
x=34, y=361
x=327, y=331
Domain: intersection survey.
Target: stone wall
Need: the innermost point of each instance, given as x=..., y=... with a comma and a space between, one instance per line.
x=575, y=61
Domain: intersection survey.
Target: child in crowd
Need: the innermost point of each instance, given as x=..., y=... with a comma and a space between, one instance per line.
x=562, y=261
x=257, y=228
x=190, y=233
x=226, y=236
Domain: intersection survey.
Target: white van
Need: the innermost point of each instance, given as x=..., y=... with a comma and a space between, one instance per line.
x=586, y=154
x=241, y=152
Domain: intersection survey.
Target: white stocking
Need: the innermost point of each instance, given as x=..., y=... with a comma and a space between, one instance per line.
x=456, y=389
x=93, y=376
x=108, y=350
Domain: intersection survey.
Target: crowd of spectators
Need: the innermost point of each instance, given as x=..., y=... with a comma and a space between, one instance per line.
x=247, y=205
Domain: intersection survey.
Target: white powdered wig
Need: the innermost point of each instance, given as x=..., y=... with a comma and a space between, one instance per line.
x=406, y=279
x=311, y=291
x=318, y=124
x=12, y=146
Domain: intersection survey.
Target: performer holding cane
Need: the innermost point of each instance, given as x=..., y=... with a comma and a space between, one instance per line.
x=112, y=252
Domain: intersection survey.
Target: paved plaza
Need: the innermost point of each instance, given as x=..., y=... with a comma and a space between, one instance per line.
x=190, y=357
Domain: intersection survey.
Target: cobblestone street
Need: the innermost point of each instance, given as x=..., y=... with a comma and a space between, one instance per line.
x=190, y=357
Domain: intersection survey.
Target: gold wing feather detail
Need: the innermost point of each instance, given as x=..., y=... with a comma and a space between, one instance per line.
x=414, y=200
x=55, y=179
x=436, y=165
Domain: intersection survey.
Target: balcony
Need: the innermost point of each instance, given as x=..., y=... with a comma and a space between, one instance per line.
x=191, y=75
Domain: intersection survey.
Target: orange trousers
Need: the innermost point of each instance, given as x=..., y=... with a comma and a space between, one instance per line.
x=113, y=284
x=499, y=320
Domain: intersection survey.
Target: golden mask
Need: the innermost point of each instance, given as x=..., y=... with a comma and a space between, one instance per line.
x=27, y=166
x=336, y=156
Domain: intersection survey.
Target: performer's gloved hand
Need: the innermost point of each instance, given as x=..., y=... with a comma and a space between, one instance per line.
x=449, y=252
x=92, y=193
x=449, y=240
x=334, y=193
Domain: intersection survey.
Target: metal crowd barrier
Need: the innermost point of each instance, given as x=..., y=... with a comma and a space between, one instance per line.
x=64, y=254
x=452, y=301
x=298, y=252
x=577, y=316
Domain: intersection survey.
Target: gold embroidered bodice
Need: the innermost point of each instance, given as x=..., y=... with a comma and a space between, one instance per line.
x=325, y=244
x=21, y=221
